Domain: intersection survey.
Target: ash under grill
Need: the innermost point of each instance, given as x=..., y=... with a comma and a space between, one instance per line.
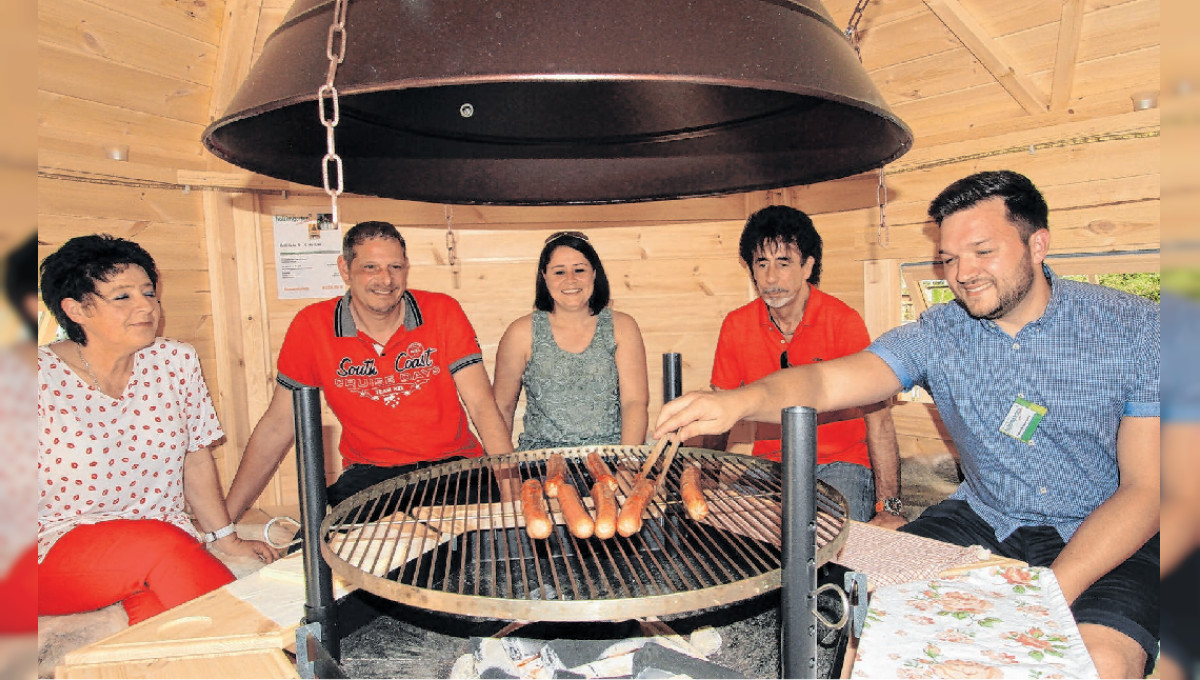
x=443, y=539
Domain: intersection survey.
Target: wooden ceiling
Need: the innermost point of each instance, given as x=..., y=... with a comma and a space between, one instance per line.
x=953, y=69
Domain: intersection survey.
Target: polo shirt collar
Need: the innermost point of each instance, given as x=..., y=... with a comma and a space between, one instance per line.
x=343, y=319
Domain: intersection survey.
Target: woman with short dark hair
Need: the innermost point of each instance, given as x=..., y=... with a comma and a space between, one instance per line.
x=582, y=365
x=125, y=422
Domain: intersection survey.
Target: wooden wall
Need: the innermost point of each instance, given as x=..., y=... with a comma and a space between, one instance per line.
x=1036, y=86
x=137, y=76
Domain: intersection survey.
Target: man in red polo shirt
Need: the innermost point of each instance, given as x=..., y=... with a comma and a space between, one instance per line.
x=792, y=323
x=392, y=364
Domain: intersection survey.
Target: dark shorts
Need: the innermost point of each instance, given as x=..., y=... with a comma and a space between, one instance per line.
x=1125, y=599
x=1180, y=624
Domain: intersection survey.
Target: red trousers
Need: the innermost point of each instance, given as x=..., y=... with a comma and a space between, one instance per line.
x=147, y=565
x=18, y=592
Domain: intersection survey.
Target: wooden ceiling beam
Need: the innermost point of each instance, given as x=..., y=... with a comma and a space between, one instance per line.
x=1069, y=29
x=989, y=53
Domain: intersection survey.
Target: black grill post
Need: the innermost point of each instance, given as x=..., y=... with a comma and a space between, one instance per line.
x=799, y=551
x=310, y=462
x=672, y=376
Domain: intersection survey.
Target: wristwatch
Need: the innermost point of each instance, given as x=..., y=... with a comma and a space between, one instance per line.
x=217, y=535
x=892, y=506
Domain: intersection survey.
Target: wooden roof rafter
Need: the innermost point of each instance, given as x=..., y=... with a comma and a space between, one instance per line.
x=990, y=54
x=1069, y=29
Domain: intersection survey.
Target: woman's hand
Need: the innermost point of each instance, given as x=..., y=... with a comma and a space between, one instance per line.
x=236, y=547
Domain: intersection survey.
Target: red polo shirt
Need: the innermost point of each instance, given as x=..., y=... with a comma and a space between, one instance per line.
x=749, y=347
x=397, y=404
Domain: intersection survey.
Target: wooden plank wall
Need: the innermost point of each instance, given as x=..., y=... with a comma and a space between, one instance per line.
x=135, y=75
x=672, y=265
x=1036, y=86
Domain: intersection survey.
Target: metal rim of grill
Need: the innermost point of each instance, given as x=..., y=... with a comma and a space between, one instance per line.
x=441, y=539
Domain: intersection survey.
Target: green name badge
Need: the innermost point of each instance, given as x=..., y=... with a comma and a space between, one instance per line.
x=1023, y=419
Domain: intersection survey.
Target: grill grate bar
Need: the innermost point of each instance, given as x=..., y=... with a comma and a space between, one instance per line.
x=427, y=496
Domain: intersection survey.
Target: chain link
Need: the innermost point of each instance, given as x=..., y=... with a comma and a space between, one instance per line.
x=451, y=244
x=852, y=26
x=883, y=235
x=335, y=50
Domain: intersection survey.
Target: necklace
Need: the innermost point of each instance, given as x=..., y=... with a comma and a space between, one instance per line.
x=88, y=367
x=778, y=327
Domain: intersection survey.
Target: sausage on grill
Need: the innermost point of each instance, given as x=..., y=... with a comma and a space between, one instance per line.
x=533, y=505
x=629, y=522
x=600, y=472
x=693, y=496
x=606, y=510
x=579, y=522
x=556, y=474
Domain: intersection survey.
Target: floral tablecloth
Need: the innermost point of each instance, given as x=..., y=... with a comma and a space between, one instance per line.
x=999, y=622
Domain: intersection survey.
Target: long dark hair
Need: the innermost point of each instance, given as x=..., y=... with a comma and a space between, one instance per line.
x=600, y=290
x=73, y=270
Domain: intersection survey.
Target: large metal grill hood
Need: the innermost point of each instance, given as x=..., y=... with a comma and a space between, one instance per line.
x=528, y=102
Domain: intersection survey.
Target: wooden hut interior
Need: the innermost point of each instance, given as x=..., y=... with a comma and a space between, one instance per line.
x=1065, y=92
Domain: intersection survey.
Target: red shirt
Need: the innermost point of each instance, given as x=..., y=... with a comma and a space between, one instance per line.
x=749, y=347
x=397, y=404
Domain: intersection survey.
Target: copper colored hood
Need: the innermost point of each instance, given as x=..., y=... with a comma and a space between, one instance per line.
x=557, y=101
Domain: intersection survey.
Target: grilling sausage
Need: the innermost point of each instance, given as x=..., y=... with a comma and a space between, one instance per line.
x=693, y=497
x=556, y=474
x=579, y=522
x=629, y=522
x=606, y=510
x=537, y=518
x=600, y=471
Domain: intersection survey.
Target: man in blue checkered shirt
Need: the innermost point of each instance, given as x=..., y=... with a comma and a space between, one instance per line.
x=1049, y=388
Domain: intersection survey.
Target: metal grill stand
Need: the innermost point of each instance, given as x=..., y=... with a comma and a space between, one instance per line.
x=318, y=645
x=798, y=629
x=672, y=376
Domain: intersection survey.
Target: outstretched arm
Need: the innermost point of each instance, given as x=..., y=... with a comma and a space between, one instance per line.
x=854, y=380
x=269, y=443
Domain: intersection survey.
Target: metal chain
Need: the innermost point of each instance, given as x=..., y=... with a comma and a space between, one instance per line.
x=335, y=49
x=883, y=235
x=451, y=244
x=852, y=27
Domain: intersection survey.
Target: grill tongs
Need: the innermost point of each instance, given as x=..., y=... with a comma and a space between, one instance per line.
x=629, y=522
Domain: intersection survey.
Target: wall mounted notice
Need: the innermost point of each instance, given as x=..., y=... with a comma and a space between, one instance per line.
x=306, y=252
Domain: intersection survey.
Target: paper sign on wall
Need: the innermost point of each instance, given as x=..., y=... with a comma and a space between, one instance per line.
x=306, y=251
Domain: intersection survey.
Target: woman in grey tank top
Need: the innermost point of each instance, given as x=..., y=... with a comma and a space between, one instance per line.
x=582, y=365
